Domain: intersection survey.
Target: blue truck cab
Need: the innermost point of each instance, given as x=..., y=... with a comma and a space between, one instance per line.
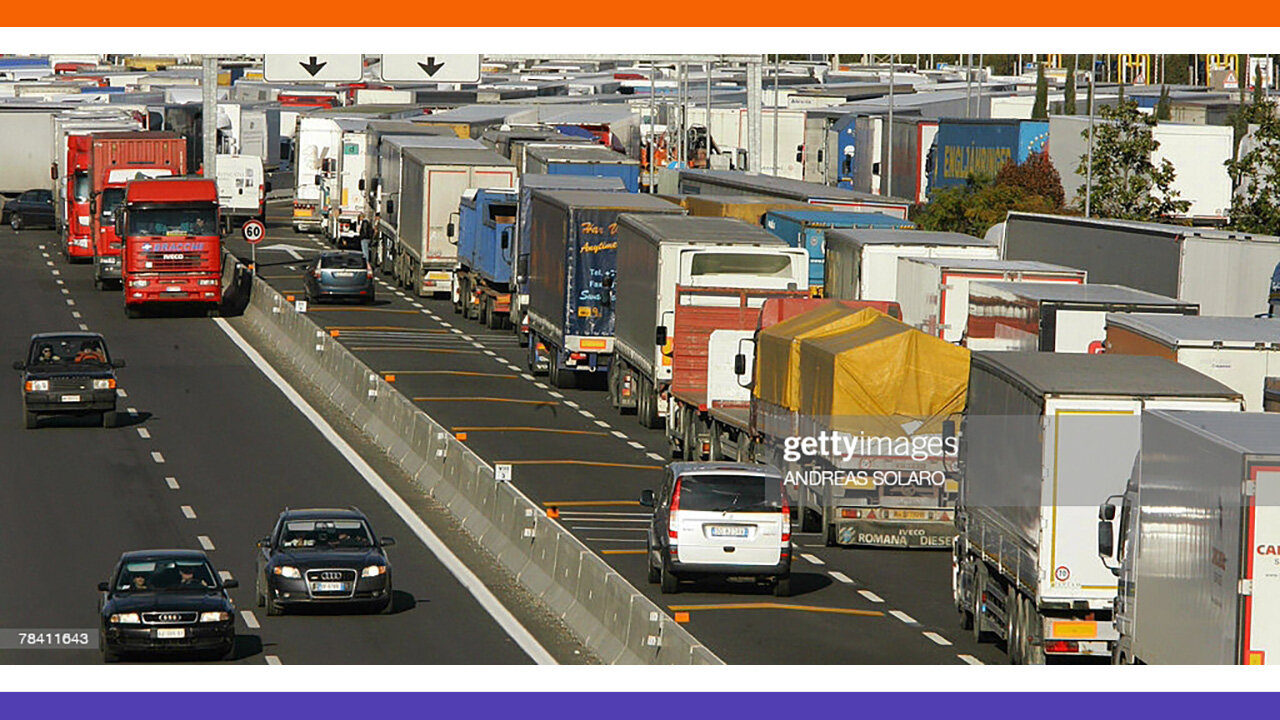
x=808, y=228
x=486, y=254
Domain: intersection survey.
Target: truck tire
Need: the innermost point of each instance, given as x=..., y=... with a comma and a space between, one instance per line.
x=1032, y=651
x=655, y=573
x=110, y=419
x=562, y=378
x=979, y=582
x=492, y=319
x=1013, y=627
x=689, y=445
x=647, y=405
x=717, y=443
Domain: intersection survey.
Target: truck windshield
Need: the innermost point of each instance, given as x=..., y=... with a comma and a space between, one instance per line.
x=80, y=189
x=111, y=199
x=173, y=221
x=708, y=263
x=730, y=493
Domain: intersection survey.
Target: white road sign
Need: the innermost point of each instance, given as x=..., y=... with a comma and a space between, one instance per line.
x=313, y=68
x=430, y=68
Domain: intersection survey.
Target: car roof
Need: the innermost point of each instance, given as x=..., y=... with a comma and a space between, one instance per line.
x=723, y=468
x=340, y=253
x=69, y=333
x=323, y=514
x=171, y=554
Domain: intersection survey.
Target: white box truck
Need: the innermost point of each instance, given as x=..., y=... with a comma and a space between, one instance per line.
x=241, y=190
x=862, y=264
x=1046, y=438
x=1241, y=353
x=432, y=181
x=316, y=150
x=1195, y=542
x=347, y=205
x=934, y=292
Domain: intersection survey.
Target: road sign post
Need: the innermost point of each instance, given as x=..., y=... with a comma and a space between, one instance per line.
x=313, y=67
x=430, y=68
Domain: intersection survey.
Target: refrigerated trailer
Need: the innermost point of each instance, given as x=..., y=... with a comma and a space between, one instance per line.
x=1054, y=317
x=432, y=181
x=1045, y=438
x=1241, y=353
x=862, y=264
x=934, y=292
x=1225, y=273
x=682, y=275
x=1196, y=542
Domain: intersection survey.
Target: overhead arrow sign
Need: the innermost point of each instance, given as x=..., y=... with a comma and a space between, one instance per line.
x=430, y=68
x=313, y=67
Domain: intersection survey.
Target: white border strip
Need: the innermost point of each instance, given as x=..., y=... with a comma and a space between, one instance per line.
x=468, y=579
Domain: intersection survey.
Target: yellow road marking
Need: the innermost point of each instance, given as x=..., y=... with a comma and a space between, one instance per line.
x=363, y=309
x=776, y=606
x=587, y=463
x=464, y=373
x=477, y=428
x=383, y=328
x=389, y=348
x=590, y=503
x=623, y=552
x=485, y=399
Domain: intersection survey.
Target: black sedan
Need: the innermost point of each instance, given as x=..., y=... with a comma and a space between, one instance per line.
x=31, y=208
x=323, y=557
x=68, y=373
x=339, y=275
x=166, y=601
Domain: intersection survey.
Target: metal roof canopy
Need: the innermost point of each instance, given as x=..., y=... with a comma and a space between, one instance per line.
x=1199, y=330
x=1045, y=373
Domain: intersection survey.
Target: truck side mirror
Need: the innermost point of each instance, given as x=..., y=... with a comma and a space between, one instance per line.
x=360, y=185
x=118, y=220
x=646, y=498
x=319, y=180
x=1107, y=512
x=448, y=230
x=104, y=587
x=506, y=239
x=660, y=335
x=1106, y=541
x=948, y=431
x=739, y=364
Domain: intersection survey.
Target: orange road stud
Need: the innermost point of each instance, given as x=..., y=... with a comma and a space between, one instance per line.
x=682, y=617
x=553, y=512
x=389, y=378
x=289, y=298
x=462, y=437
x=333, y=333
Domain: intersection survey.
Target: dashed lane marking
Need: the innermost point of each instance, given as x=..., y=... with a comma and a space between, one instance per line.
x=144, y=433
x=904, y=617
x=83, y=326
x=586, y=413
x=971, y=659
x=602, y=423
x=188, y=512
x=272, y=660
x=75, y=314
x=654, y=456
x=172, y=482
x=937, y=638
x=871, y=596
x=526, y=429
x=814, y=559
x=840, y=577
x=485, y=399
x=157, y=457
x=205, y=542
x=775, y=606
x=583, y=463
x=250, y=620
x=636, y=445
x=121, y=392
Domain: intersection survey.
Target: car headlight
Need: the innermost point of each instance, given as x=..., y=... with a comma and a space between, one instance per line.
x=104, y=384
x=217, y=616
x=373, y=571
x=287, y=571
x=37, y=385
x=126, y=619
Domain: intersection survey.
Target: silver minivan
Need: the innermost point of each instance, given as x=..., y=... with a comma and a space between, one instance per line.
x=719, y=519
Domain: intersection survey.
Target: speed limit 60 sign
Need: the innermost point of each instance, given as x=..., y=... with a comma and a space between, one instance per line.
x=254, y=231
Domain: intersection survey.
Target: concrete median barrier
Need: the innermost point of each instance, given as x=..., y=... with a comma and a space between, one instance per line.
x=606, y=612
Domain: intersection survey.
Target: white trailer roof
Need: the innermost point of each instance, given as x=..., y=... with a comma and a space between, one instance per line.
x=1198, y=330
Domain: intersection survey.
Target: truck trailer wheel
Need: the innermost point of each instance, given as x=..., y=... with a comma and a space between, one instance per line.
x=979, y=584
x=560, y=377
x=1013, y=627
x=1032, y=651
x=492, y=319
x=647, y=405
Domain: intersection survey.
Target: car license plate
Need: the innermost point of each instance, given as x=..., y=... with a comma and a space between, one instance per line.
x=173, y=288
x=70, y=398
x=909, y=515
x=343, y=274
x=302, y=212
x=329, y=587
x=170, y=633
x=729, y=531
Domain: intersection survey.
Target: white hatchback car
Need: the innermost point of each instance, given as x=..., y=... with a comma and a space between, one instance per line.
x=725, y=519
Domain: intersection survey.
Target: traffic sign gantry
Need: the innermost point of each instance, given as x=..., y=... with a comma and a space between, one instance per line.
x=254, y=231
x=430, y=68
x=313, y=68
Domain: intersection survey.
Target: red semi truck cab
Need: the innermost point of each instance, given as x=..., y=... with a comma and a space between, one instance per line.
x=115, y=158
x=79, y=186
x=172, y=248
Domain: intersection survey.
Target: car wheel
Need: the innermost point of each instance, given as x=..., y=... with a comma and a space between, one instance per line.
x=388, y=607
x=132, y=311
x=110, y=419
x=109, y=655
x=655, y=572
x=260, y=595
x=782, y=586
x=670, y=583
x=15, y=221
x=274, y=608
x=33, y=420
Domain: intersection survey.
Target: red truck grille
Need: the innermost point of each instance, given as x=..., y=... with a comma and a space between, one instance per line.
x=161, y=261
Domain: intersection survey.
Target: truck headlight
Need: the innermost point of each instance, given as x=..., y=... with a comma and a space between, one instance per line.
x=104, y=384
x=286, y=571
x=218, y=616
x=208, y=282
x=37, y=385
x=138, y=283
x=373, y=571
x=126, y=619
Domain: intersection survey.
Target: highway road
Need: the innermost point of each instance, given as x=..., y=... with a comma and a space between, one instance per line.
x=571, y=450
x=209, y=456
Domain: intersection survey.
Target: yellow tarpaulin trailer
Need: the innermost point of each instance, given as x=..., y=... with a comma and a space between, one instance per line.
x=778, y=350
x=748, y=208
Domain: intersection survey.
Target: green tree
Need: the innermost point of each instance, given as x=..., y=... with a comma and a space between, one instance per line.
x=1255, y=204
x=1127, y=184
x=1164, y=106
x=1040, y=110
x=1036, y=175
x=1069, y=94
x=981, y=202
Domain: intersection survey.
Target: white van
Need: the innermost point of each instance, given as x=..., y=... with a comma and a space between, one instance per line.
x=719, y=519
x=241, y=190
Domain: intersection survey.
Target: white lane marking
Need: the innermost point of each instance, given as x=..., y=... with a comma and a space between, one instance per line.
x=45, y=254
x=75, y=314
x=655, y=456
x=121, y=392
x=225, y=575
x=56, y=273
x=40, y=246
x=554, y=394
x=541, y=386
x=468, y=338
x=144, y=433
x=903, y=617
x=812, y=558
x=971, y=659
x=871, y=596
x=172, y=482
x=455, y=331
x=250, y=620
x=526, y=376
x=486, y=352
x=49, y=263
x=585, y=413
x=70, y=301
x=464, y=575
x=205, y=542
x=619, y=434
x=65, y=291
x=937, y=638
x=272, y=660
x=83, y=326
x=188, y=512
x=476, y=344
x=840, y=577
x=132, y=411
x=58, y=281
x=155, y=455
x=445, y=324
x=635, y=445
x=602, y=423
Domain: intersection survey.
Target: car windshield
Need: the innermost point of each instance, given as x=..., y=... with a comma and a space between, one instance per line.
x=173, y=221
x=69, y=350
x=165, y=575
x=81, y=188
x=111, y=199
x=730, y=493
x=325, y=535
x=718, y=263
x=346, y=261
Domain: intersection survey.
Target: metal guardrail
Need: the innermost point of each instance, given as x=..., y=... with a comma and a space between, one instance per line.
x=607, y=613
